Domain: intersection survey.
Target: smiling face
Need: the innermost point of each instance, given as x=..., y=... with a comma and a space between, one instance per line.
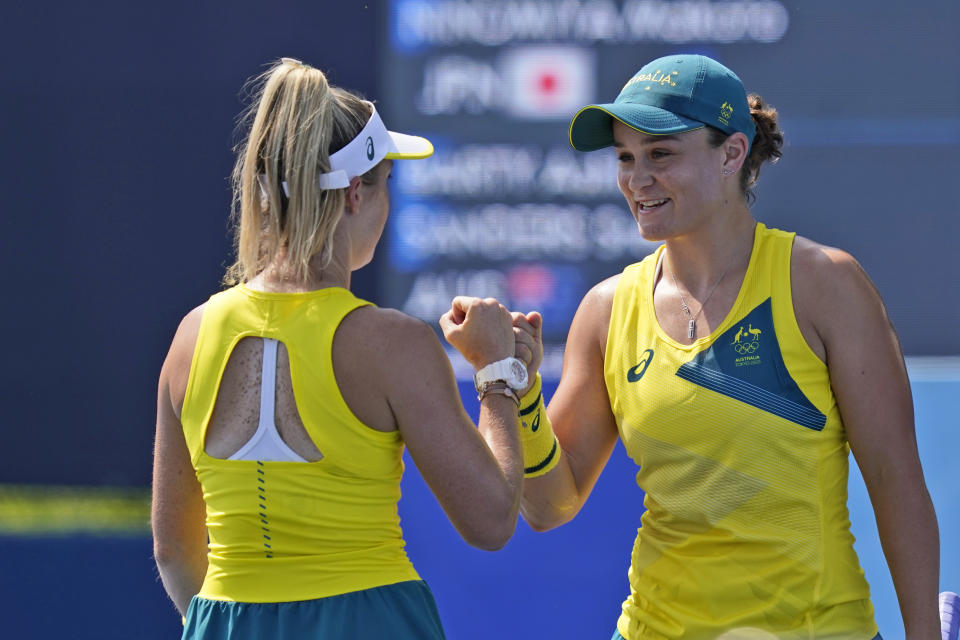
x=674, y=184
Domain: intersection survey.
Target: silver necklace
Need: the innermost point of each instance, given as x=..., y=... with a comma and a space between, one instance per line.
x=692, y=324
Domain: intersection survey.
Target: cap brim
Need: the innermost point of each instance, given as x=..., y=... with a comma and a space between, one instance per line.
x=407, y=147
x=592, y=126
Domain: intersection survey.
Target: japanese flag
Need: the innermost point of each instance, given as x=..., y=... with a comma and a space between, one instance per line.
x=547, y=83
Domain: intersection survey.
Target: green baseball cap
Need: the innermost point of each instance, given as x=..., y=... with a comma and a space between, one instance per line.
x=672, y=94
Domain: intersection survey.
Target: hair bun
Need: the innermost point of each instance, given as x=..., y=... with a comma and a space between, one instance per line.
x=768, y=142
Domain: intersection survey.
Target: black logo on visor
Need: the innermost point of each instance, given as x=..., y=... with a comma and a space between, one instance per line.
x=369, y=148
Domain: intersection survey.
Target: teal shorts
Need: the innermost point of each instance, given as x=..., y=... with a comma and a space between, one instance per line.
x=404, y=611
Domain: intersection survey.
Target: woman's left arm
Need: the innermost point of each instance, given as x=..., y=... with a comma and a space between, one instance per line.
x=870, y=382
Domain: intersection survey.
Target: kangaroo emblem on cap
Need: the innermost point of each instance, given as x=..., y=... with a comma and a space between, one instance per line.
x=725, y=112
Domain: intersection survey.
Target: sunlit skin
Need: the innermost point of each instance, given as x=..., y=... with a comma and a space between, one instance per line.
x=683, y=169
x=374, y=198
x=686, y=192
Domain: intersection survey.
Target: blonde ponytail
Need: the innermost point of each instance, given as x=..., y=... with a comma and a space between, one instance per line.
x=298, y=121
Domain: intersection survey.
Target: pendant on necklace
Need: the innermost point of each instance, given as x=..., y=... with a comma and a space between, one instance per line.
x=691, y=329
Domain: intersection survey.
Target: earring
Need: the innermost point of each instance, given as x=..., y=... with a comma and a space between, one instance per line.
x=727, y=172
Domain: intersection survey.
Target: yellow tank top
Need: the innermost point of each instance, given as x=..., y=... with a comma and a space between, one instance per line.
x=285, y=531
x=743, y=460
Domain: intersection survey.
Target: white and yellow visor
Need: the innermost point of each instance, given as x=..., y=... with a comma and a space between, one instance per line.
x=364, y=152
x=372, y=144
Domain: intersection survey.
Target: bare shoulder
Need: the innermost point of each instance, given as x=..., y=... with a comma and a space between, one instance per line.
x=602, y=293
x=831, y=292
x=381, y=357
x=373, y=342
x=811, y=255
x=598, y=301
x=176, y=368
x=185, y=339
x=190, y=324
x=822, y=274
x=386, y=332
x=592, y=321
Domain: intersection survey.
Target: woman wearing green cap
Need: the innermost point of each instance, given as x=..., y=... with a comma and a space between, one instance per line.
x=739, y=365
x=285, y=402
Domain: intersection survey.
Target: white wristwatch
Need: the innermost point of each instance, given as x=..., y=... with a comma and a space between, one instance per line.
x=509, y=370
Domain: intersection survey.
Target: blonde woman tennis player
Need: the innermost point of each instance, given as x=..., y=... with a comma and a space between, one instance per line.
x=285, y=402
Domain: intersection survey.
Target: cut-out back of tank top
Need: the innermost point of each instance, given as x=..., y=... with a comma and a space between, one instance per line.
x=256, y=407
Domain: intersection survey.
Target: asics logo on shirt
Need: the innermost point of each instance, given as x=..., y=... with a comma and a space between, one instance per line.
x=636, y=372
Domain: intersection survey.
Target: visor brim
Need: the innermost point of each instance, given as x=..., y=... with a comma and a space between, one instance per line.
x=592, y=127
x=407, y=147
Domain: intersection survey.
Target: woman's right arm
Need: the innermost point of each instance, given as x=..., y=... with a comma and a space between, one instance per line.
x=475, y=474
x=177, y=512
x=580, y=415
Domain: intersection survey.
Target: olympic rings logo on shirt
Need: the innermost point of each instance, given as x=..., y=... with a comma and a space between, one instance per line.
x=743, y=348
x=747, y=340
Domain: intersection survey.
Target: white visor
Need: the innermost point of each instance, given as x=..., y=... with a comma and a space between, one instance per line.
x=364, y=152
x=372, y=144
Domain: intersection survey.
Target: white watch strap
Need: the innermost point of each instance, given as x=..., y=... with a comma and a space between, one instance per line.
x=501, y=370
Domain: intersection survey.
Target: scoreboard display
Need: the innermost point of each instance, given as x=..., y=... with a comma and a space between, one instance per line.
x=506, y=207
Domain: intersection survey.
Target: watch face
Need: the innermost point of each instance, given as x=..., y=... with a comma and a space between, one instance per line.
x=518, y=371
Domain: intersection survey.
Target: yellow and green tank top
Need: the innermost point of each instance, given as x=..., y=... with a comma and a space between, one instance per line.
x=743, y=462
x=286, y=531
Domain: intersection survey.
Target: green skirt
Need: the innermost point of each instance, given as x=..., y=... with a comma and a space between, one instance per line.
x=404, y=611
